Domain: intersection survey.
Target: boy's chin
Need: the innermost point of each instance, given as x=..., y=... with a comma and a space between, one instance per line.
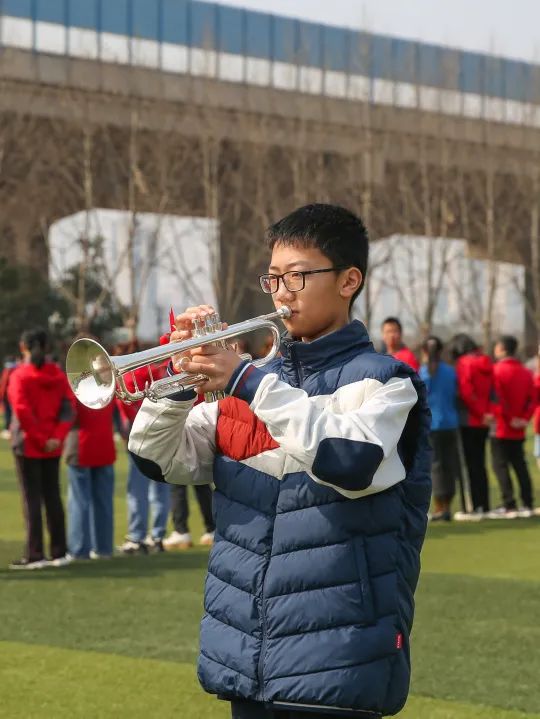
x=295, y=327
x=292, y=326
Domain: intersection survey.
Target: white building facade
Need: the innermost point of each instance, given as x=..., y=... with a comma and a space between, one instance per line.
x=408, y=272
x=158, y=261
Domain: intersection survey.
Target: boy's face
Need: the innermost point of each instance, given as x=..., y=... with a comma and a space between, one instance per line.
x=391, y=335
x=322, y=306
x=498, y=351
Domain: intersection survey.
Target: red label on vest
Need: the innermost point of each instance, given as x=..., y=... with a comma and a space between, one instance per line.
x=399, y=641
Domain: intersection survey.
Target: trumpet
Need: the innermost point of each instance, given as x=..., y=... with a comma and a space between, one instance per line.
x=97, y=377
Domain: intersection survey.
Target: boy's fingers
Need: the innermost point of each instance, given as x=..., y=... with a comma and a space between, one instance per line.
x=199, y=311
x=180, y=335
x=205, y=309
x=181, y=359
x=205, y=351
x=185, y=320
x=207, y=368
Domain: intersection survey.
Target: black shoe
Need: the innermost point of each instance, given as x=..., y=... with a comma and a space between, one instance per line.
x=130, y=547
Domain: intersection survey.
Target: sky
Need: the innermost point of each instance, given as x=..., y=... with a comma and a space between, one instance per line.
x=503, y=27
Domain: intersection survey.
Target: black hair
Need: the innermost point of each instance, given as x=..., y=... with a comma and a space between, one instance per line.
x=433, y=347
x=461, y=344
x=336, y=232
x=509, y=343
x=393, y=321
x=36, y=341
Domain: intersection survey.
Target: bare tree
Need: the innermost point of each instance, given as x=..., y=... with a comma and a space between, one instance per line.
x=534, y=235
x=234, y=167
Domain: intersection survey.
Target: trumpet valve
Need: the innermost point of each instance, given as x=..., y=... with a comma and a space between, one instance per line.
x=213, y=323
x=199, y=328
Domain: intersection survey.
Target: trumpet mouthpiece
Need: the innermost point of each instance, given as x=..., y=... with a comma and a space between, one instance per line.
x=285, y=312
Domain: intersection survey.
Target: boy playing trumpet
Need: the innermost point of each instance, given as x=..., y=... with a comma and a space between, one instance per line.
x=321, y=466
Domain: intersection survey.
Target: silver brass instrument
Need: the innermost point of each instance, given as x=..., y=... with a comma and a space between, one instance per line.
x=96, y=377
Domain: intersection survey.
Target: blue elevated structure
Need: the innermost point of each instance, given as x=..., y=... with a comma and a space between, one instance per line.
x=256, y=47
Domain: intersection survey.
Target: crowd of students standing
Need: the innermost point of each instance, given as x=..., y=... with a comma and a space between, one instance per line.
x=472, y=399
x=47, y=422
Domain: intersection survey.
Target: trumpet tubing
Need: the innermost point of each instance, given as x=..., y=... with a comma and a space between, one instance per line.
x=96, y=377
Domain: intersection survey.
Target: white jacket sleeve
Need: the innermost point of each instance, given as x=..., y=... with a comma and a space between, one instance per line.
x=348, y=439
x=174, y=441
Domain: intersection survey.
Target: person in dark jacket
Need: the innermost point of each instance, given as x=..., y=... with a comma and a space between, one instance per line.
x=90, y=455
x=514, y=406
x=42, y=405
x=180, y=537
x=475, y=387
x=143, y=495
x=321, y=466
x=441, y=383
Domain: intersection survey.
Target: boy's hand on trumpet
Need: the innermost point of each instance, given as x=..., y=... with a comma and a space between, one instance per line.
x=217, y=363
x=183, y=326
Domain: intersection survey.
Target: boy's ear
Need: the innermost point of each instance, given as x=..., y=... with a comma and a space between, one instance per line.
x=352, y=279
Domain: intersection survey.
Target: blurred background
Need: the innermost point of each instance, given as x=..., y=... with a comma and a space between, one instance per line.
x=144, y=147
x=125, y=123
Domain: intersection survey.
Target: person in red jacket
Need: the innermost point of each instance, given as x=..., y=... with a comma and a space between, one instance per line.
x=90, y=455
x=41, y=402
x=475, y=385
x=537, y=411
x=513, y=409
x=392, y=335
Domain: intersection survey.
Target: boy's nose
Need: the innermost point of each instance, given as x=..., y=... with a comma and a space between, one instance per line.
x=283, y=294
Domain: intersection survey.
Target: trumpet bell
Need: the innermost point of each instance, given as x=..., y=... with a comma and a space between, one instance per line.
x=91, y=373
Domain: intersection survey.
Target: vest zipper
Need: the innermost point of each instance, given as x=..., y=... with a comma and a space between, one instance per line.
x=297, y=368
x=263, y=645
x=299, y=380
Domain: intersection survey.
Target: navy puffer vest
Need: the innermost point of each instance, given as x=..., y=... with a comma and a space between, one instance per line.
x=309, y=595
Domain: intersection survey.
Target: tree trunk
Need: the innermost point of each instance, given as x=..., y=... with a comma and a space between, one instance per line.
x=492, y=264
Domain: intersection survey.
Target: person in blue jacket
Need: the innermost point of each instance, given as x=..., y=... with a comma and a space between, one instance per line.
x=440, y=379
x=321, y=465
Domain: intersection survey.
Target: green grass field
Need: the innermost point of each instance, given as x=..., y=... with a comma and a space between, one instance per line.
x=119, y=638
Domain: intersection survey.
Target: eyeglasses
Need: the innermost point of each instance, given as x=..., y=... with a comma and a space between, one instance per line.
x=294, y=280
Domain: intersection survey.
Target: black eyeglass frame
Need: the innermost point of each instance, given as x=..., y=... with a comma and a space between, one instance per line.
x=296, y=272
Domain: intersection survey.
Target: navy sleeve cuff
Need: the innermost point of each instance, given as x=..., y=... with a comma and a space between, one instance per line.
x=183, y=396
x=229, y=389
x=247, y=379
